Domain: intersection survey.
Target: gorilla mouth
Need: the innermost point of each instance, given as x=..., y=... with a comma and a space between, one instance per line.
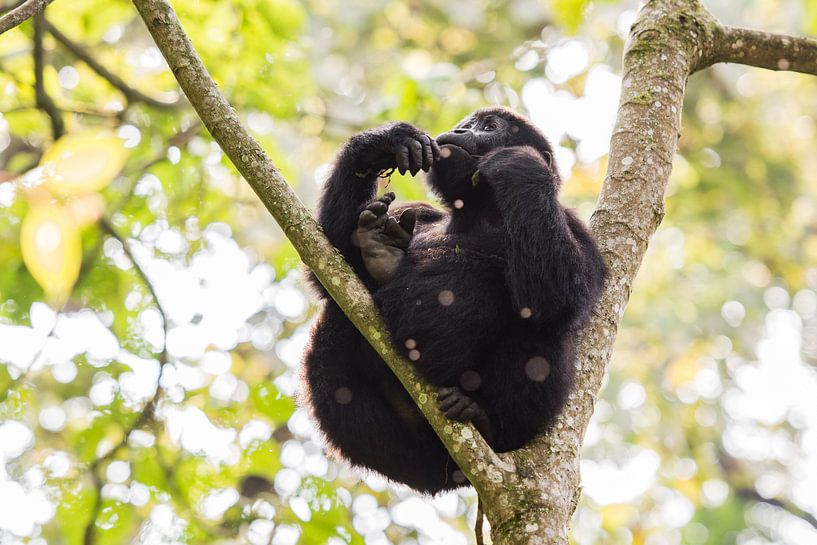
x=467, y=147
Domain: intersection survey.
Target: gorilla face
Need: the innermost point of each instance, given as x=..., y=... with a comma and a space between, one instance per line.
x=454, y=176
x=480, y=132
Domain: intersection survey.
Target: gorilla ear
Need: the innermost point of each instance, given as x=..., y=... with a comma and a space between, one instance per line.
x=548, y=158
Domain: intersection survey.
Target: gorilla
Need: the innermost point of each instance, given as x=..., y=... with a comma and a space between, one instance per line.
x=484, y=297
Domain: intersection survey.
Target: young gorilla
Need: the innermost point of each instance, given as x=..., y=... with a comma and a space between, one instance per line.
x=484, y=298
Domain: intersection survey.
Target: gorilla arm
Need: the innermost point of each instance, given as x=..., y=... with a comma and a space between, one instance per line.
x=554, y=270
x=353, y=182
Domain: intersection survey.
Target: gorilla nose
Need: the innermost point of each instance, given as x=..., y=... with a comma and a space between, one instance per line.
x=460, y=131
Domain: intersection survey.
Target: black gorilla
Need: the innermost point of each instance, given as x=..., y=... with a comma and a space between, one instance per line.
x=484, y=297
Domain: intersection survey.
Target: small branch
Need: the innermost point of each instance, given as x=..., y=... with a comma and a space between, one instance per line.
x=22, y=13
x=89, y=535
x=80, y=52
x=765, y=50
x=149, y=410
x=44, y=101
x=753, y=495
x=150, y=407
x=472, y=454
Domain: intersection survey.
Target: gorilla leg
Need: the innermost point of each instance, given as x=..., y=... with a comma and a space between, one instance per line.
x=357, y=404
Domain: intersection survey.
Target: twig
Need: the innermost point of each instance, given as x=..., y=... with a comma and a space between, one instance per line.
x=22, y=13
x=80, y=52
x=732, y=469
x=765, y=50
x=89, y=535
x=789, y=507
x=149, y=410
x=43, y=100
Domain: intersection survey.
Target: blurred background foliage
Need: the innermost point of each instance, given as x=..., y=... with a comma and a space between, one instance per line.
x=132, y=254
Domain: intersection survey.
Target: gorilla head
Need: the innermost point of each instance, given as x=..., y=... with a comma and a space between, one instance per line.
x=454, y=177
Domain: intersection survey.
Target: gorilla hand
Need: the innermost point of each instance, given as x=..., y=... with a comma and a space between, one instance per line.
x=397, y=145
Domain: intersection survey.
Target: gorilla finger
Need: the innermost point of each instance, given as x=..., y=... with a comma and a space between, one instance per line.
x=388, y=198
x=455, y=412
x=428, y=153
x=416, y=159
x=470, y=412
x=366, y=218
x=446, y=391
x=407, y=220
x=397, y=236
x=392, y=229
x=435, y=150
x=402, y=156
x=378, y=207
x=445, y=403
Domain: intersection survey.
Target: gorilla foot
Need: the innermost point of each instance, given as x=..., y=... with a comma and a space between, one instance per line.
x=455, y=405
x=383, y=238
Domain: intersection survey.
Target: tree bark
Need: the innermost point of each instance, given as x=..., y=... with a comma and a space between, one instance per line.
x=22, y=13
x=529, y=495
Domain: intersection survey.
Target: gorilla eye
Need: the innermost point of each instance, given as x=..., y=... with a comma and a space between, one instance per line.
x=489, y=126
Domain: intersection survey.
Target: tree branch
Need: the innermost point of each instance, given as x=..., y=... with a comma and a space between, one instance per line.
x=22, y=13
x=42, y=98
x=471, y=453
x=749, y=493
x=765, y=50
x=149, y=410
x=131, y=94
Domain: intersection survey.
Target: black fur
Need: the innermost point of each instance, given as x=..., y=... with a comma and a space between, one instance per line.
x=486, y=299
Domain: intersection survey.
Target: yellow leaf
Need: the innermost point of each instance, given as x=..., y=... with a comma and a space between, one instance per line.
x=52, y=250
x=84, y=162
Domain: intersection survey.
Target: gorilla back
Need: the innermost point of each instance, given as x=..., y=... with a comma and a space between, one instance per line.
x=484, y=297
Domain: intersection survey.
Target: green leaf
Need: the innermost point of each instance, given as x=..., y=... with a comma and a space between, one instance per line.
x=569, y=13
x=271, y=403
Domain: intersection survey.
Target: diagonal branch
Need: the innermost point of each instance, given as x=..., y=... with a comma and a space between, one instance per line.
x=471, y=453
x=21, y=13
x=80, y=52
x=765, y=50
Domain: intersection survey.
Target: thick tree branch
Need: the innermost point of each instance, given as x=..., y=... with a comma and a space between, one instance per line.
x=22, y=13
x=765, y=50
x=481, y=465
x=44, y=101
x=131, y=94
x=670, y=40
